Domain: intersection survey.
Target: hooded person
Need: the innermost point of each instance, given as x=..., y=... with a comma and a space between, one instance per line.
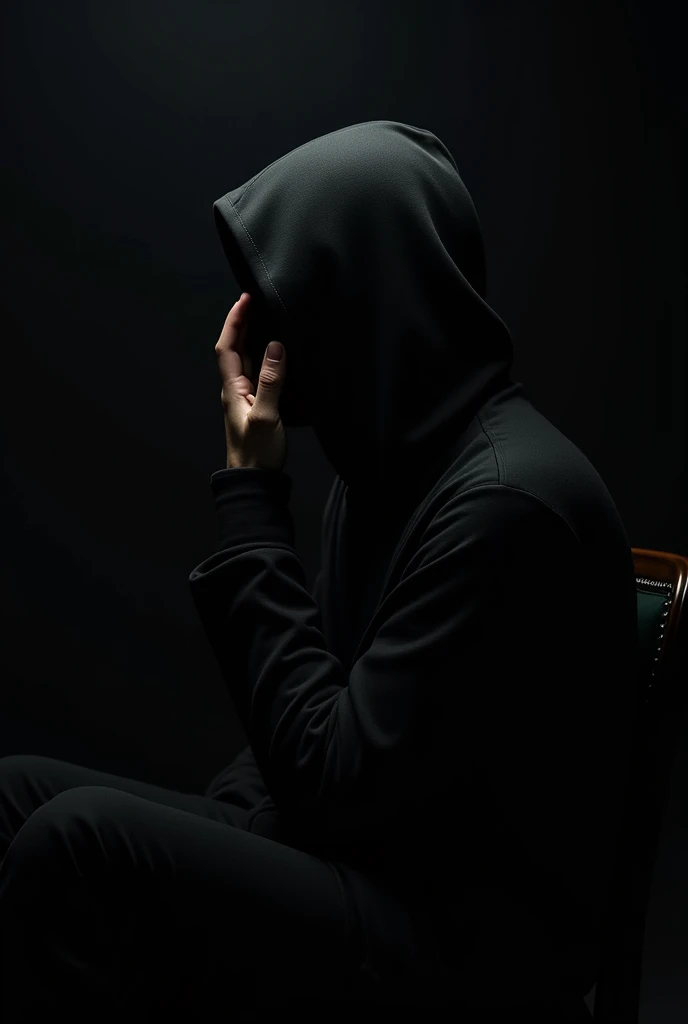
x=448, y=715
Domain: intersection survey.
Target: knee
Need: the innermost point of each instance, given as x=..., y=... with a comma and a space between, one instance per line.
x=13, y=766
x=27, y=803
x=64, y=823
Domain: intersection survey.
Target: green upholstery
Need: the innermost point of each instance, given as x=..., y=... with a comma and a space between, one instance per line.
x=652, y=611
x=660, y=584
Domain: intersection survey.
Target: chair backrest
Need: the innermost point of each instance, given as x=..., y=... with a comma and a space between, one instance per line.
x=661, y=582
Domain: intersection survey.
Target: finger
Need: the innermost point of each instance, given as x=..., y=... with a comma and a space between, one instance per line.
x=232, y=339
x=235, y=323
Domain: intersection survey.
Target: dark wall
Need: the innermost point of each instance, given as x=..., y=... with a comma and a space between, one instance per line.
x=121, y=124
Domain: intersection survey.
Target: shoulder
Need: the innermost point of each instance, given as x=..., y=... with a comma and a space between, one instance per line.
x=488, y=526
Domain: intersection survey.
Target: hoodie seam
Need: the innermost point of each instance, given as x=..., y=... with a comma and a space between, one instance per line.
x=531, y=494
x=496, y=449
x=257, y=252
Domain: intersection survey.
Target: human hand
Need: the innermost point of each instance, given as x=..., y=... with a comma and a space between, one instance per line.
x=254, y=432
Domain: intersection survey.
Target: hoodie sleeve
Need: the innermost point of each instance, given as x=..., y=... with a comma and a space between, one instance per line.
x=339, y=754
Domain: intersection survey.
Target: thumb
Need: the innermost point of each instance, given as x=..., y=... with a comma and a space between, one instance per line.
x=270, y=381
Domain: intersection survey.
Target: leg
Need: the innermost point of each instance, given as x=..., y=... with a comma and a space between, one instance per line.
x=112, y=905
x=27, y=781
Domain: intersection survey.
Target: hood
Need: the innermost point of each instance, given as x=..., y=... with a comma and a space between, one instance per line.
x=363, y=253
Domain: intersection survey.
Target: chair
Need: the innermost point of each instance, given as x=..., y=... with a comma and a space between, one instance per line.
x=662, y=581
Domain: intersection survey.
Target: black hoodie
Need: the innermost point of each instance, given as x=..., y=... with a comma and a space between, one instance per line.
x=451, y=710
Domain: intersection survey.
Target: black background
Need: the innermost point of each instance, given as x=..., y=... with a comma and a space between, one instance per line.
x=121, y=124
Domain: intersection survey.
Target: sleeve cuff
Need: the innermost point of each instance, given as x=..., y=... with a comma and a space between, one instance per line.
x=252, y=506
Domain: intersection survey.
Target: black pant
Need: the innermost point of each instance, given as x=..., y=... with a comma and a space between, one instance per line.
x=121, y=900
x=124, y=900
